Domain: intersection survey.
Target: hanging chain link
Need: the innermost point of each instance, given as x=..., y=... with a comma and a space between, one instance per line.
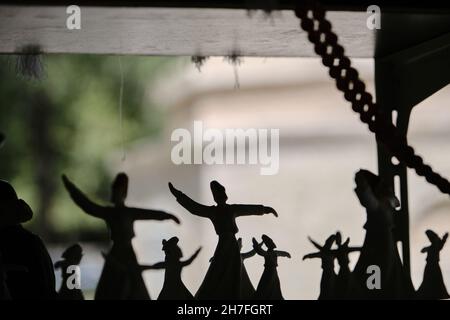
x=318, y=28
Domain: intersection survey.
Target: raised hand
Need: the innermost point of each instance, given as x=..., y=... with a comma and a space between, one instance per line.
x=174, y=191
x=256, y=244
x=284, y=254
x=436, y=242
x=272, y=210
x=444, y=239
x=174, y=218
x=192, y=258
x=196, y=253
x=67, y=183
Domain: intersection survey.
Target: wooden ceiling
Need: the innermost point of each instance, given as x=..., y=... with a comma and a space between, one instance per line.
x=210, y=28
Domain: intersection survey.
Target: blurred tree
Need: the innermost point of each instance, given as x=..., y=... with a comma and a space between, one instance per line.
x=69, y=122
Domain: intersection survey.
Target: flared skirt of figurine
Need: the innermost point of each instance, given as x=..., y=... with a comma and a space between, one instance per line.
x=433, y=286
x=269, y=286
x=224, y=279
x=121, y=277
x=247, y=288
x=345, y=287
x=175, y=290
x=394, y=282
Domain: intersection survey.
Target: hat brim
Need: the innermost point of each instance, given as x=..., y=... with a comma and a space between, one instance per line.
x=16, y=214
x=24, y=212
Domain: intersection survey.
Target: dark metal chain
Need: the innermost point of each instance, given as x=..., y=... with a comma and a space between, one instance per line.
x=318, y=28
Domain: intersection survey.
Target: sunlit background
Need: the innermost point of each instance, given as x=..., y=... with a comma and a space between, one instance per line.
x=71, y=122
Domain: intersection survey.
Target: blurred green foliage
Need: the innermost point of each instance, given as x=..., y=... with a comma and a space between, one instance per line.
x=68, y=122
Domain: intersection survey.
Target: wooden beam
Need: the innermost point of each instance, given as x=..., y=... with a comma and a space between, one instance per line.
x=172, y=31
x=334, y=5
x=210, y=28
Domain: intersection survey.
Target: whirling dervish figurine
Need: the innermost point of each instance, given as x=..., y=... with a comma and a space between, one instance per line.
x=433, y=286
x=380, y=247
x=327, y=255
x=20, y=247
x=71, y=259
x=269, y=287
x=344, y=279
x=173, y=287
x=114, y=283
x=224, y=278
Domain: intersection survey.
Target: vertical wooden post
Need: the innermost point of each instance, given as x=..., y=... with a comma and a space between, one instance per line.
x=392, y=171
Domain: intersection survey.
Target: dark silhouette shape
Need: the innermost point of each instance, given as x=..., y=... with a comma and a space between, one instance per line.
x=327, y=255
x=247, y=288
x=224, y=278
x=380, y=246
x=120, y=220
x=344, y=279
x=29, y=62
x=4, y=270
x=269, y=287
x=19, y=247
x=4, y=291
x=71, y=257
x=244, y=255
x=126, y=286
x=2, y=139
x=433, y=286
x=173, y=288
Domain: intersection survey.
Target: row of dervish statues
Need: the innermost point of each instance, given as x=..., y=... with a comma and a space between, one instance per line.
x=27, y=271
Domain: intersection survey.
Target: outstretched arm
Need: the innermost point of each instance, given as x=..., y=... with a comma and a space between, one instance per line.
x=444, y=240
x=192, y=258
x=156, y=266
x=251, y=210
x=147, y=214
x=83, y=201
x=190, y=205
x=283, y=254
x=258, y=249
x=249, y=254
x=312, y=255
